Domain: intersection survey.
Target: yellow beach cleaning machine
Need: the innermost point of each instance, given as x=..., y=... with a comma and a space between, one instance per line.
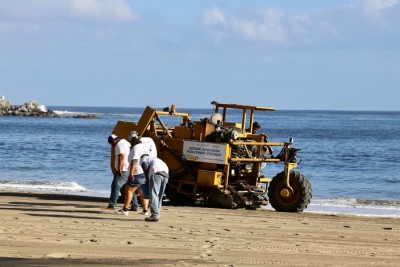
x=218, y=163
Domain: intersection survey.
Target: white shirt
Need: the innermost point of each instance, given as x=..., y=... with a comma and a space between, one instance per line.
x=155, y=165
x=151, y=145
x=122, y=147
x=135, y=154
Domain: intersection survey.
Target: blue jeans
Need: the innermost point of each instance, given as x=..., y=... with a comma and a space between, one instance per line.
x=157, y=184
x=116, y=185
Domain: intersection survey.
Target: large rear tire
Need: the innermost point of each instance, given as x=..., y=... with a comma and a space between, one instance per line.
x=297, y=199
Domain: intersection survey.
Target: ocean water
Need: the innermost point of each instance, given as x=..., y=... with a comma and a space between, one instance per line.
x=350, y=157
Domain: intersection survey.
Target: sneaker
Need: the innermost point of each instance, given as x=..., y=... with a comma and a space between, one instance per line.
x=122, y=212
x=152, y=219
x=145, y=212
x=134, y=209
x=109, y=208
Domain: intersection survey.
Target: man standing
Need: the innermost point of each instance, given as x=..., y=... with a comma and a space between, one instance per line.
x=157, y=173
x=122, y=148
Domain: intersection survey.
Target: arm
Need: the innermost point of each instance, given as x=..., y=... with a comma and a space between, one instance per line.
x=120, y=163
x=133, y=164
x=145, y=166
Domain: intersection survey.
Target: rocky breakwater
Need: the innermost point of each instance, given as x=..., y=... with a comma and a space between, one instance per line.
x=32, y=109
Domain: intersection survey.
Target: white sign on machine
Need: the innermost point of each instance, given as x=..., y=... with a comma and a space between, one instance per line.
x=204, y=152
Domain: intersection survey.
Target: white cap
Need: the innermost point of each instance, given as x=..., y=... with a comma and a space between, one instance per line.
x=113, y=137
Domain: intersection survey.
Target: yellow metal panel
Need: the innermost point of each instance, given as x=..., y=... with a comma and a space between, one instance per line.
x=183, y=132
x=209, y=177
x=202, y=129
x=143, y=123
x=122, y=128
x=265, y=180
x=206, y=166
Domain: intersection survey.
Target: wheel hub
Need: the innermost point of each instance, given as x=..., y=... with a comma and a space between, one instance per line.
x=286, y=192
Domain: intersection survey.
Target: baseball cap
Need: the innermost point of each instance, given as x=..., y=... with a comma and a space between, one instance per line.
x=113, y=137
x=132, y=135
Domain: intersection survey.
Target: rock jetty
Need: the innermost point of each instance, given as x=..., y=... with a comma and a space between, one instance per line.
x=32, y=109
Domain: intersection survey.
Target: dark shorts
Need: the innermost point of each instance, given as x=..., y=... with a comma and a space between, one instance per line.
x=138, y=180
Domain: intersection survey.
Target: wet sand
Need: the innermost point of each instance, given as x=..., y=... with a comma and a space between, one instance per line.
x=63, y=230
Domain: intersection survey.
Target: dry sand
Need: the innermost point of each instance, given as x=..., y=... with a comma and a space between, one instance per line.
x=56, y=230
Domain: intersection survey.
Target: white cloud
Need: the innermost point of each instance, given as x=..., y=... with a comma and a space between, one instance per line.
x=314, y=29
x=262, y=24
x=359, y=24
x=375, y=8
x=214, y=17
x=215, y=24
x=327, y=27
x=43, y=10
x=266, y=25
x=115, y=10
x=378, y=5
x=300, y=23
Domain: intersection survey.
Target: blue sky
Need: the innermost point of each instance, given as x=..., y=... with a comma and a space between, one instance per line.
x=303, y=55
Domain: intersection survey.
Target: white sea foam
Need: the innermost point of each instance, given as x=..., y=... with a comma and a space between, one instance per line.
x=377, y=208
x=42, y=108
x=68, y=113
x=353, y=206
x=358, y=203
x=54, y=186
x=57, y=187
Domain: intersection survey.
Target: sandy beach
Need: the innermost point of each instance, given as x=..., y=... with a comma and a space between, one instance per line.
x=62, y=230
